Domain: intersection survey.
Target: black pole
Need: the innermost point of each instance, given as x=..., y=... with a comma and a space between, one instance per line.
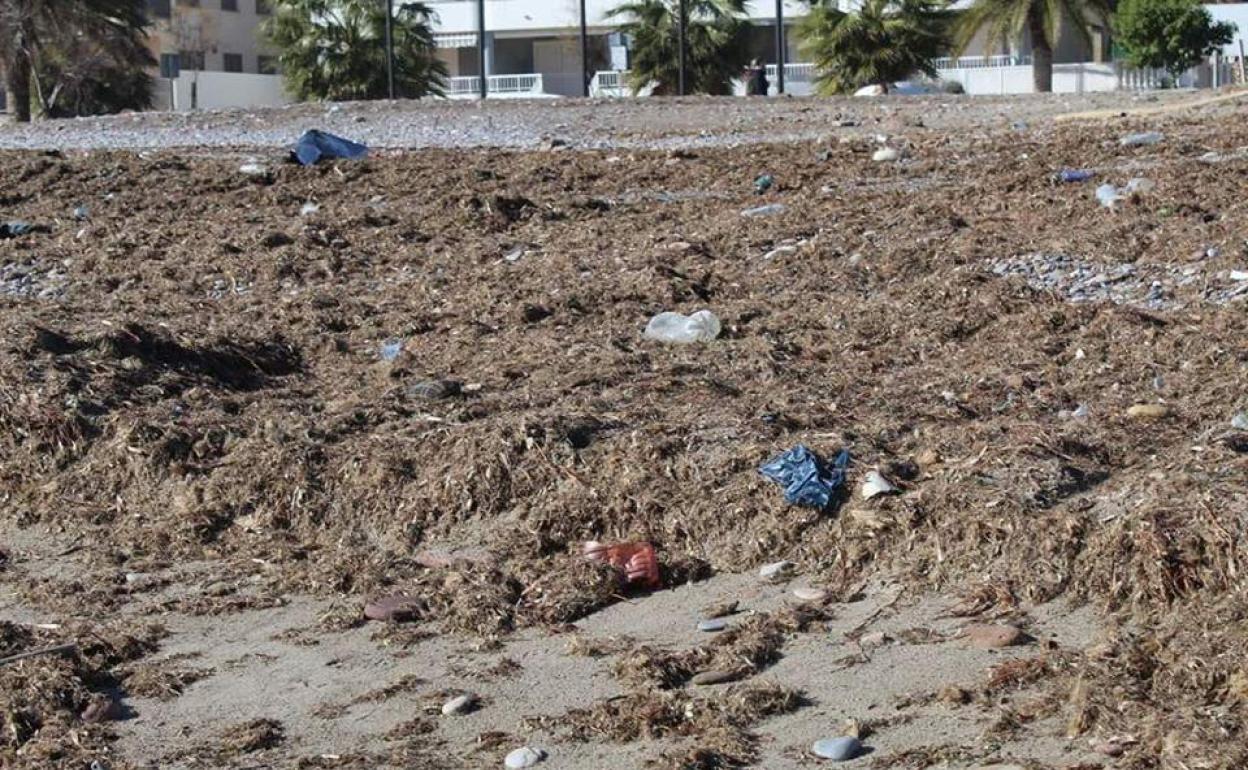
x=584, y=55
x=680, y=43
x=780, y=46
x=485, y=89
x=390, y=46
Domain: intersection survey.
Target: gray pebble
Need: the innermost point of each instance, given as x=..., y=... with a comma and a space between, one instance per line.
x=714, y=624
x=459, y=705
x=837, y=749
x=715, y=677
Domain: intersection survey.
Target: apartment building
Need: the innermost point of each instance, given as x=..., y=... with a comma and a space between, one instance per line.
x=532, y=47
x=211, y=35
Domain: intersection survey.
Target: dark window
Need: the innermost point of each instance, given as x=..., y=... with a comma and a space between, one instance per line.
x=169, y=65
x=192, y=60
x=233, y=62
x=266, y=65
x=189, y=3
x=158, y=8
x=229, y=5
x=263, y=8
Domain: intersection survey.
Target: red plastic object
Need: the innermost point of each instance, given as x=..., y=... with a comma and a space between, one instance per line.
x=636, y=560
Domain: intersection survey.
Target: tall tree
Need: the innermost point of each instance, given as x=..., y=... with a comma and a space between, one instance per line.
x=716, y=49
x=30, y=29
x=1174, y=35
x=880, y=43
x=1005, y=22
x=335, y=49
x=77, y=74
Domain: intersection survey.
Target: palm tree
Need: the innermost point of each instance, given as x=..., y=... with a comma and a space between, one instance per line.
x=716, y=48
x=1005, y=21
x=334, y=49
x=884, y=41
x=29, y=28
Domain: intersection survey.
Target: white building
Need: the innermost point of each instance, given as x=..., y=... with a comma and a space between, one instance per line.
x=532, y=47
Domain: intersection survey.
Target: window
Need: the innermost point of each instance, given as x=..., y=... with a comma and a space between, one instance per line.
x=192, y=60
x=158, y=8
x=233, y=62
x=169, y=65
x=266, y=65
x=229, y=5
x=263, y=8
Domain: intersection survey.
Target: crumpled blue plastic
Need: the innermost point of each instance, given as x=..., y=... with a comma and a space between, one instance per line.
x=1075, y=175
x=805, y=478
x=15, y=228
x=315, y=146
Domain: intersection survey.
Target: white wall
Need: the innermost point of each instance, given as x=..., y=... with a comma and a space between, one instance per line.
x=1067, y=79
x=221, y=90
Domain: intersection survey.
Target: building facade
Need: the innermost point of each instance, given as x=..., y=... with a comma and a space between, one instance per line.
x=211, y=36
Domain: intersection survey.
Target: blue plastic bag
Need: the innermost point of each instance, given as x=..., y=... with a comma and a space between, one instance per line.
x=806, y=480
x=315, y=146
x=1075, y=175
x=17, y=227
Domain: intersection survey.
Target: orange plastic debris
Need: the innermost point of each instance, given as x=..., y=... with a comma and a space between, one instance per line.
x=636, y=560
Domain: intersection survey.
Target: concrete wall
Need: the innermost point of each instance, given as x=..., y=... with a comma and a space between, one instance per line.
x=220, y=90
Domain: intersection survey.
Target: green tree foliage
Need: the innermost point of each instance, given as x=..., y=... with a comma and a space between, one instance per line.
x=1005, y=22
x=1174, y=35
x=716, y=47
x=882, y=42
x=335, y=49
x=77, y=56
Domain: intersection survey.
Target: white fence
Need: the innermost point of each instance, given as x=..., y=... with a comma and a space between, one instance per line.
x=500, y=86
x=1087, y=77
x=610, y=83
x=980, y=62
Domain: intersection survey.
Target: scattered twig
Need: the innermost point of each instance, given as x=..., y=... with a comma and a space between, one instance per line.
x=55, y=649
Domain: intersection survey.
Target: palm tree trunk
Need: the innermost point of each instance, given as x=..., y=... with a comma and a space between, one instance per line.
x=1041, y=55
x=17, y=82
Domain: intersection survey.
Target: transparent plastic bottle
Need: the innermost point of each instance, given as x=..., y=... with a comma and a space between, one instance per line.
x=1142, y=139
x=702, y=326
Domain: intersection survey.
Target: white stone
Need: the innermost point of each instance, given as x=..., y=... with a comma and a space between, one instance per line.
x=886, y=155
x=837, y=749
x=459, y=705
x=523, y=757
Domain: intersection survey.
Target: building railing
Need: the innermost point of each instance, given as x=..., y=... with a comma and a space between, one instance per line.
x=610, y=83
x=793, y=73
x=469, y=86
x=455, y=40
x=981, y=62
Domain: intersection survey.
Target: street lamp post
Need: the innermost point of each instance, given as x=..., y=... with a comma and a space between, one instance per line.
x=681, y=23
x=780, y=46
x=390, y=47
x=584, y=54
x=485, y=89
